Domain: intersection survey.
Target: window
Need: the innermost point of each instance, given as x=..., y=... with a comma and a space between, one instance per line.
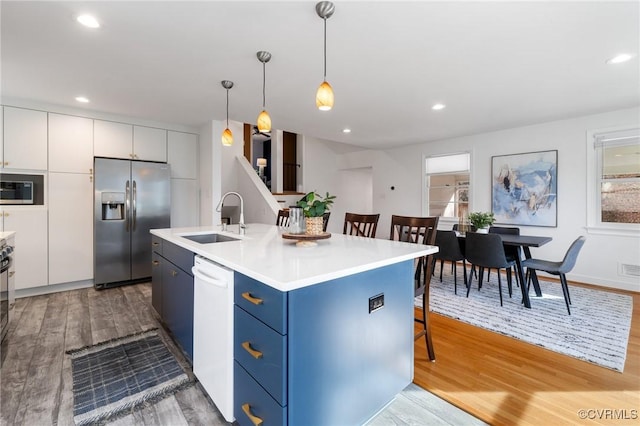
x=617, y=156
x=447, y=183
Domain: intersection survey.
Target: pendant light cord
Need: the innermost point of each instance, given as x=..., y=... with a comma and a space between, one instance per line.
x=264, y=80
x=227, y=108
x=325, y=48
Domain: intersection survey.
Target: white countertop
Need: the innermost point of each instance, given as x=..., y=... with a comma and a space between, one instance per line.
x=6, y=234
x=264, y=255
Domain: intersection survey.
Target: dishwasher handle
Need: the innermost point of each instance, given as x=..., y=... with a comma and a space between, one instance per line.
x=209, y=279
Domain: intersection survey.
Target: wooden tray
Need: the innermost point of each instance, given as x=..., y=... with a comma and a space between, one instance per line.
x=306, y=240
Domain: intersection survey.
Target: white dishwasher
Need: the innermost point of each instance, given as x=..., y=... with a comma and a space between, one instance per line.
x=213, y=332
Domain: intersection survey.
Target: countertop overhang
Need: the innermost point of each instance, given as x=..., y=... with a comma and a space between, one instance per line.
x=264, y=255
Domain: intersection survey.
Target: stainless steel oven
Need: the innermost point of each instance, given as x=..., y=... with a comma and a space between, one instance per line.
x=6, y=288
x=16, y=191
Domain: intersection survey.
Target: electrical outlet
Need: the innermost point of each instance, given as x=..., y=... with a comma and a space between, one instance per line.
x=376, y=302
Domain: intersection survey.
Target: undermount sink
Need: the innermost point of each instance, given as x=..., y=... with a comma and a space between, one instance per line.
x=209, y=238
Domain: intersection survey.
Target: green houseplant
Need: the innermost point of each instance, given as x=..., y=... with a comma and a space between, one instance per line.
x=481, y=220
x=314, y=206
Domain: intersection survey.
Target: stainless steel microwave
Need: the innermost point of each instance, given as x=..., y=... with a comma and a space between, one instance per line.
x=16, y=192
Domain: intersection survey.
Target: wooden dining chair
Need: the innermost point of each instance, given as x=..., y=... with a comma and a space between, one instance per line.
x=325, y=221
x=283, y=218
x=419, y=230
x=362, y=225
x=487, y=251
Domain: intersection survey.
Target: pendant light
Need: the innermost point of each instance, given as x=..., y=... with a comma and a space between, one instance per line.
x=227, y=136
x=264, y=121
x=324, y=95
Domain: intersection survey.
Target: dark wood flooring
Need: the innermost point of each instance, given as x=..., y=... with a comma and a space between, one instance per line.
x=35, y=377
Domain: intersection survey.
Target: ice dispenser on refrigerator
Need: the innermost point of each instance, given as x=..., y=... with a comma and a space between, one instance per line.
x=112, y=205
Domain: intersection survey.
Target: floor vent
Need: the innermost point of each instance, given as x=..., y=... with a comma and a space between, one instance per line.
x=628, y=270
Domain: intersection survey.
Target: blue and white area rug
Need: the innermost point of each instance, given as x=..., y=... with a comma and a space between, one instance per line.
x=597, y=330
x=114, y=377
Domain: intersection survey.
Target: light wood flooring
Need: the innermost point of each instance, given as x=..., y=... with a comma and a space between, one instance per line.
x=504, y=381
x=35, y=378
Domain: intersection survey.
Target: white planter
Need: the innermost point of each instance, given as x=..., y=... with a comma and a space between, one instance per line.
x=483, y=230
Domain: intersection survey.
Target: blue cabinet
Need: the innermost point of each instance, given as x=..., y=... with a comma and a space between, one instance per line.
x=172, y=291
x=326, y=354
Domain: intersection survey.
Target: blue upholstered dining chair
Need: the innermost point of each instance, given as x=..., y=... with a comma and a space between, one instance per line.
x=487, y=251
x=557, y=268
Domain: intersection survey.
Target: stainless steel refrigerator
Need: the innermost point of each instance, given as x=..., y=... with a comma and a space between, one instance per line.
x=130, y=198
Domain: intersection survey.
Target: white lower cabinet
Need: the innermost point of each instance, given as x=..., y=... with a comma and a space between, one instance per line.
x=70, y=227
x=30, y=226
x=184, y=203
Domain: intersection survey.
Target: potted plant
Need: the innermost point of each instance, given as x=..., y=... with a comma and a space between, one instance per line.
x=481, y=221
x=314, y=206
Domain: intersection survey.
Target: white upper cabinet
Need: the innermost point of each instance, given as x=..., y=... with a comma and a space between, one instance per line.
x=183, y=154
x=118, y=140
x=25, y=139
x=70, y=144
x=112, y=139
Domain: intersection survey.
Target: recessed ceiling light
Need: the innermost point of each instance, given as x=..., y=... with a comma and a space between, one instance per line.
x=438, y=107
x=347, y=130
x=618, y=59
x=82, y=99
x=88, y=21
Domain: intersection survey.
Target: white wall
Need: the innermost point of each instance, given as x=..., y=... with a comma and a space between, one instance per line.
x=323, y=172
x=402, y=168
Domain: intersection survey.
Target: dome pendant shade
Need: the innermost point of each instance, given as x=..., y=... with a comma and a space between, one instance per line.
x=264, y=121
x=227, y=137
x=324, y=97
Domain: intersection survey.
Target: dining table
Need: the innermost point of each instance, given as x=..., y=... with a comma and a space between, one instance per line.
x=523, y=243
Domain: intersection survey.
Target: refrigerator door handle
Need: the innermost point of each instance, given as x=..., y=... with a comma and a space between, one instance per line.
x=126, y=206
x=135, y=210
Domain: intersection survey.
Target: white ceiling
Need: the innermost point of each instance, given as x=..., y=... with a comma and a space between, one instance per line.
x=494, y=64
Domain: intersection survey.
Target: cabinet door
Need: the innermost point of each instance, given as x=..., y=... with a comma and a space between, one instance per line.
x=70, y=227
x=156, y=282
x=114, y=140
x=70, y=144
x=177, y=305
x=31, y=246
x=149, y=144
x=184, y=203
x=1, y=137
x=25, y=139
x=182, y=154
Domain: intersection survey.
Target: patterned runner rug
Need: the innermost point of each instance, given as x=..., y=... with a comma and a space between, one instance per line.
x=114, y=377
x=597, y=330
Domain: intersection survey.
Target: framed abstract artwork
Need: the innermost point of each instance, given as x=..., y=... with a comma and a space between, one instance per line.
x=525, y=188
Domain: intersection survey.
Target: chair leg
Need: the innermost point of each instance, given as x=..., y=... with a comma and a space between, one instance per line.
x=500, y=286
x=427, y=328
x=441, y=265
x=464, y=273
x=480, y=276
x=565, y=290
x=509, y=280
x=455, y=277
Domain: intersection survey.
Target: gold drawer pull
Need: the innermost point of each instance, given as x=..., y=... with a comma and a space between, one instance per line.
x=173, y=273
x=155, y=263
x=252, y=299
x=247, y=347
x=155, y=244
x=257, y=421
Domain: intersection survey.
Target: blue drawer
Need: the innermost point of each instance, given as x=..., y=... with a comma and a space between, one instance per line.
x=180, y=257
x=248, y=393
x=262, y=301
x=269, y=369
x=156, y=244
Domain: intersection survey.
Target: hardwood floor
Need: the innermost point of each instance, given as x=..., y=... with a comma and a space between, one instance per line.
x=504, y=381
x=35, y=378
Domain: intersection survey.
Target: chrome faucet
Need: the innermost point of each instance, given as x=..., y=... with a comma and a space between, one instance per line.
x=241, y=225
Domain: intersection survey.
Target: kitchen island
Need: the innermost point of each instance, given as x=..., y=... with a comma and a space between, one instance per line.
x=322, y=335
